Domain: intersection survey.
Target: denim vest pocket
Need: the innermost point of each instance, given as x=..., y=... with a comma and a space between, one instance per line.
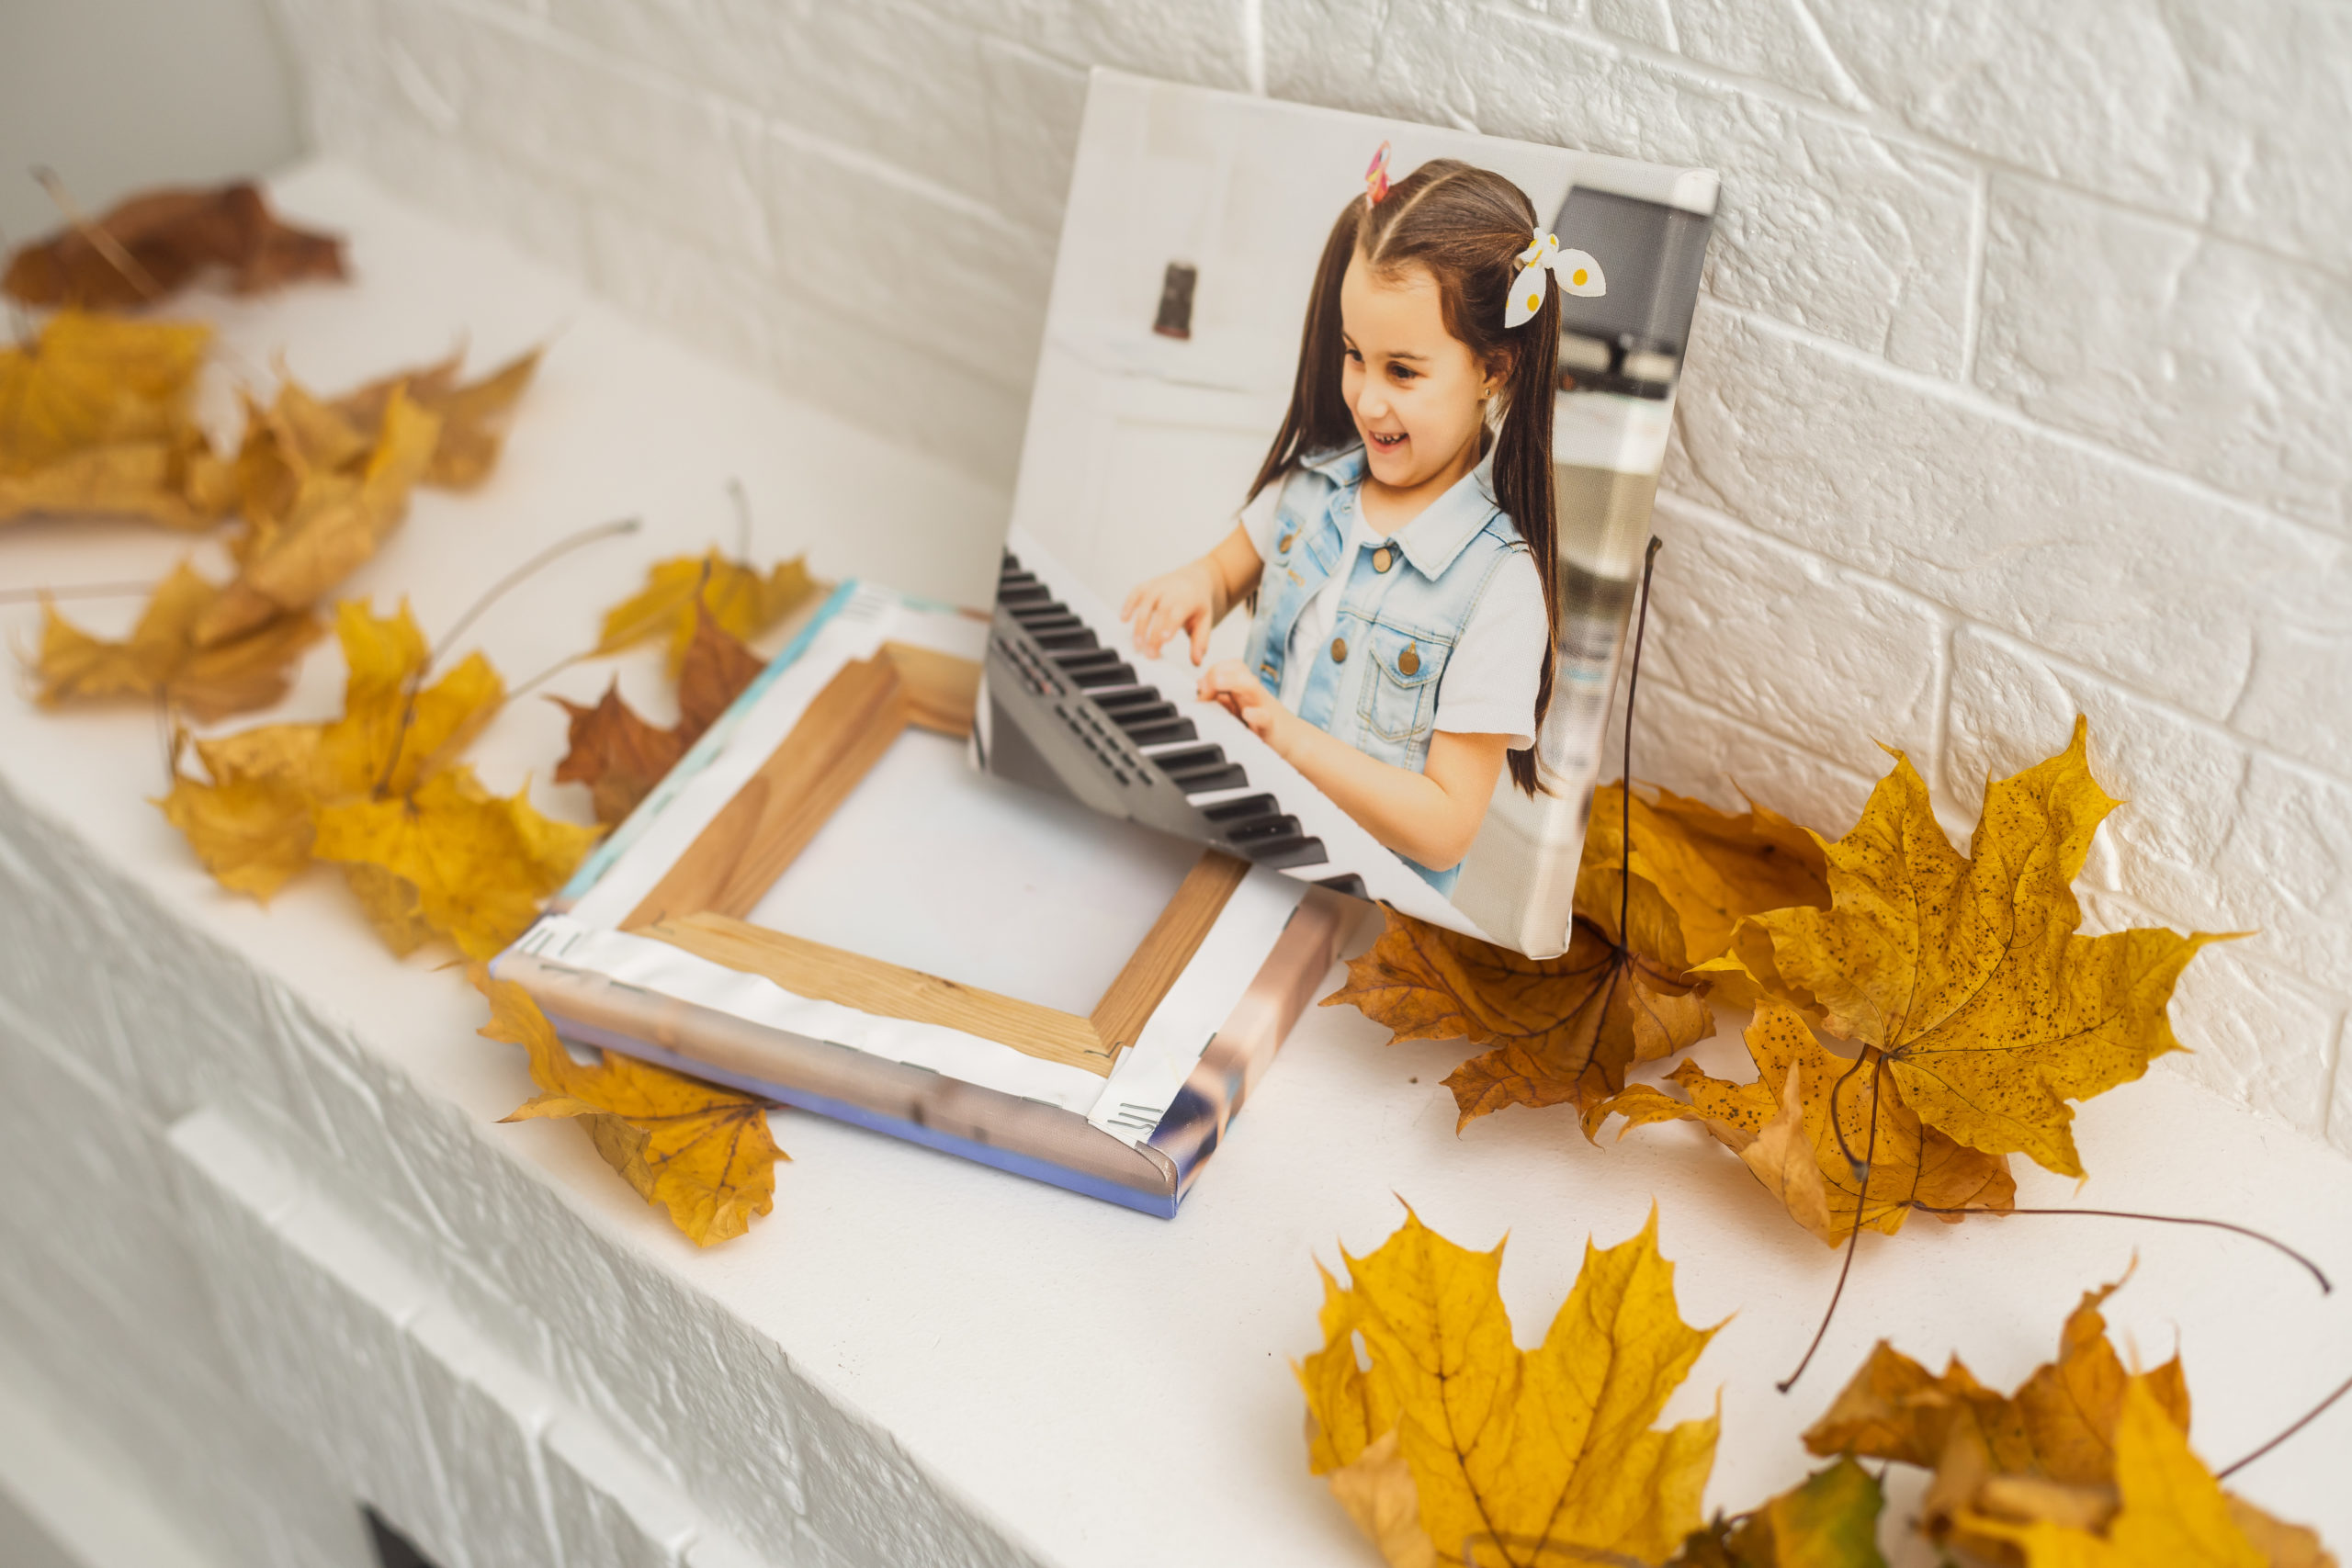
x=1400, y=688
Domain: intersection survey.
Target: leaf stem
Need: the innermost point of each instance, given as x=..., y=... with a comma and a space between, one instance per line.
x=105, y=244
x=742, y=519
x=2307, y=1418
x=553, y=553
x=416, y=682
x=1853, y=1240
x=553, y=670
x=2316, y=1273
x=76, y=590
x=1625, y=777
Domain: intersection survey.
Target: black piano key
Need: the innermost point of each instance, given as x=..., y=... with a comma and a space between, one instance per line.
x=1118, y=703
x=1191, y=760
x=1349, y=883
x=1046, y=618
x=1072, y=638
x=1263, y=829
x=1087, y=677
x=1130, y=716
x=1248, y=808
x=1230, y=776
x=1010, y=563
x=1083, y=657
x=1016, y=579
x=1282, y=854
x=1035, y=593
x=1166, y=732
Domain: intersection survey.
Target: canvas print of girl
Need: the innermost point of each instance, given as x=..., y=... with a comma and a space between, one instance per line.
x=1319, y=545
x=1398, y=543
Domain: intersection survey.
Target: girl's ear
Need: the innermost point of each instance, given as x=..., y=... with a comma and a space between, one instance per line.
x=1499, y=371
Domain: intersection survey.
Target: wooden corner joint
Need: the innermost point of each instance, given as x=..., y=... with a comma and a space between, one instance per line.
x=699, y=905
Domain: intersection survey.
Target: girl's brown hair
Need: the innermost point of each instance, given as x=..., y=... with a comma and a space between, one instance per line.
x=1466, y=226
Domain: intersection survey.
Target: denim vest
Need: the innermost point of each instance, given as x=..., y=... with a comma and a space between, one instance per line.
x=1401, y=611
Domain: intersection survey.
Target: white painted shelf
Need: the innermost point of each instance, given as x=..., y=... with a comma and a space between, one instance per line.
x=914, y=1359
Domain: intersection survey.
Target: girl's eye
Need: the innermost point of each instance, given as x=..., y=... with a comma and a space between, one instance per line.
x=1353, y=356
x=1403, y=372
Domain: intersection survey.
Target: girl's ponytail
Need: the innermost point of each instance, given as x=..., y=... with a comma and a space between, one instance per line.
x=1522, y=474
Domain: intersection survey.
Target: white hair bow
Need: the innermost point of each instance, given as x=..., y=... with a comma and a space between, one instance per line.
x=1578, y=272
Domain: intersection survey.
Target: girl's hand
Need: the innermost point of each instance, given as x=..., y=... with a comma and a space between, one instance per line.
x=1229, y=683
x=1184, y=600
x=1192, y=598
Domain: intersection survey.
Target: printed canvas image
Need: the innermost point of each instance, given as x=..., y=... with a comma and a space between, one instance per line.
x=1338, y=474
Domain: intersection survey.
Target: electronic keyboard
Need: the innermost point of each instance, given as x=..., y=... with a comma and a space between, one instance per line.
x=1071, y=714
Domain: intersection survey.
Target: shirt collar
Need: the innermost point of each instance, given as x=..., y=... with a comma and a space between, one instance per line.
x=1444, y=529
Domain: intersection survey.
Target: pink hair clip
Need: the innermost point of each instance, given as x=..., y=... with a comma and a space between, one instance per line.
x=1375, y=177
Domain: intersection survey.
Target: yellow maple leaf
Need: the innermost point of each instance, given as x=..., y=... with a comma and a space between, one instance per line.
x=93, y=381
x=737, y=597
x=703, y=1152
x=161, y=659
x=334, y=522
x=425, y=847
x=1515, y=1456
x=1781, y=1125
x=1969, y=974
x=2174, y=1513
x=450, y=859
x=94, y=421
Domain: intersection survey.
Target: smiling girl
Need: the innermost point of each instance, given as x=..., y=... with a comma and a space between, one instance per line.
x=1398, y=540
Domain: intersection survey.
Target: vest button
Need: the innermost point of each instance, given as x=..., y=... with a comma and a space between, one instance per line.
x=1282, y=546
x=1382, y=560
x=1409, y=662
x=1339, y=650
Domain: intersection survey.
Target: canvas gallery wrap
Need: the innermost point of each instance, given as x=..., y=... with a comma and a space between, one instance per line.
x=1337, y=479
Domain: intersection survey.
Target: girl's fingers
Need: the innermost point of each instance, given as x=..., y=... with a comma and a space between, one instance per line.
x=1199, y=627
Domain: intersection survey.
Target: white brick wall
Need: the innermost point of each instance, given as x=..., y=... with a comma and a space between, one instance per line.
x=2020, y=388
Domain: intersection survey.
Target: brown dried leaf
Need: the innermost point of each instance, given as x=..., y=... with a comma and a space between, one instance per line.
x=1563, y=1029
x=620, y=756
x=2059, y=1428
x=171, y=236
x=703, y=1152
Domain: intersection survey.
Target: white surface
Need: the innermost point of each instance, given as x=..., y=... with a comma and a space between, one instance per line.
x=1014, y=892
x=62, y=1507
x=914, y=1359
x=2020, y=390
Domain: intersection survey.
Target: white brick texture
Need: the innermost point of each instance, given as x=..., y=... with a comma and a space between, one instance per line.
x=2019, y=391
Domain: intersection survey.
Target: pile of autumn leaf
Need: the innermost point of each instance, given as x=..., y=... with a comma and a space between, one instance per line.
x=1972, y=1008
x=381, y=792
x=97, y=420
x=1447, y=1444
